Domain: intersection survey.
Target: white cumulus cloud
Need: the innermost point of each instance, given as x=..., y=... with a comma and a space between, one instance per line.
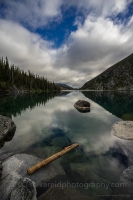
x=100, y=40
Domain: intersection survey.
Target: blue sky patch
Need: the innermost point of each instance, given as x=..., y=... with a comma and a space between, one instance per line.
x=58, y=32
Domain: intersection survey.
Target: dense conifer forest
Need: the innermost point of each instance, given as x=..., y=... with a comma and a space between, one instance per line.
x=11, y=75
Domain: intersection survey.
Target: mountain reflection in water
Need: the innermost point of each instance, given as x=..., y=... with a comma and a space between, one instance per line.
x=46, y=123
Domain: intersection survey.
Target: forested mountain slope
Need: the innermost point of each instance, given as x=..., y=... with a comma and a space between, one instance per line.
x=12, y=76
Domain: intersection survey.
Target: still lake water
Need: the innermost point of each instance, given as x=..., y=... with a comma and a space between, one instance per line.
x=46, y=123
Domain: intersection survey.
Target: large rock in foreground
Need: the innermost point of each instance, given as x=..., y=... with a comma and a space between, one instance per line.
x=7, y=129
x=24, y=190
x=15, y=168
x=123, y=130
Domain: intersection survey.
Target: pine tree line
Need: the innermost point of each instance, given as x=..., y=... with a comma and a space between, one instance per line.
x=12, y=75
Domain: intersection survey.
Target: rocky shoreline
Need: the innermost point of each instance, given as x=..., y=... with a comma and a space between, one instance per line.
x=15, y=183
x=13, y=90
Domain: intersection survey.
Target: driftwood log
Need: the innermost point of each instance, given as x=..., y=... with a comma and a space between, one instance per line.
x=51, y=159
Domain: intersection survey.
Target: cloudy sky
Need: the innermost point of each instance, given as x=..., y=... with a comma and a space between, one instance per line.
x=66, y=41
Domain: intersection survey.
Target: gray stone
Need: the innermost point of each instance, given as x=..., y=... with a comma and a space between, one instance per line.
x=24, y=190
x=15, y=167
x=125, y=189
x=1, y=168
x=127, y=175
x=123, y=130
x=7, y=128
x=82, y=106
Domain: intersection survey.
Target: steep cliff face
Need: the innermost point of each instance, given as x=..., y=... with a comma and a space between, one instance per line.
x=117, y=77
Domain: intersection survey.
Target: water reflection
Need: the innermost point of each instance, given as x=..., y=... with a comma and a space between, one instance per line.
x=118, y=103
x=48, y=127
x=15, y=105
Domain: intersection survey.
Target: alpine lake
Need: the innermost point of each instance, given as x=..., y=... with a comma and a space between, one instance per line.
x=48, y=122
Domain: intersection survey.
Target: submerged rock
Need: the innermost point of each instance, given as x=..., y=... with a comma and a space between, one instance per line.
x=66, y=193
x=50, y=150
x=38, y=152
x=7, y=129
x=123, y=130
x=24, y=190
x=82, y=106
x=84, y=173
x=15, y=168
x=75, y=156
x=60, y=142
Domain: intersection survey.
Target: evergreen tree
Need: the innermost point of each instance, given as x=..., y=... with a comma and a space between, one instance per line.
x=12, y=75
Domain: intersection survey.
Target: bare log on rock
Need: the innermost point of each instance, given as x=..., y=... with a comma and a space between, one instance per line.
x=51, y=158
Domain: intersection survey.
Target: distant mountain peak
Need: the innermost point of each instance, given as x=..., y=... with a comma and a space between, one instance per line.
x=64, y=86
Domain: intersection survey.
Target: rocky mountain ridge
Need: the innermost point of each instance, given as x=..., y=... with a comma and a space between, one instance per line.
x=117, y=77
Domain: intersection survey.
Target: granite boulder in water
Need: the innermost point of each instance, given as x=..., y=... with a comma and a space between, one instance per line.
x=123, y=130
x=7, y=129
x=82, y=106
